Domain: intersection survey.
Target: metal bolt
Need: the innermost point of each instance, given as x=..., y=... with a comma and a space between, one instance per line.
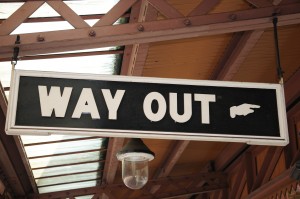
x=187, y=22
x=92, y=33
x=233, y=17
x=140, y=28
x=40, y=38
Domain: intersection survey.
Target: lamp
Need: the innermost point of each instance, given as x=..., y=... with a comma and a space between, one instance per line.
x=135, y=156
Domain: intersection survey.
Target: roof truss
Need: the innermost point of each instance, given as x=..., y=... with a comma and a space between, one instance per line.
x=103, y=35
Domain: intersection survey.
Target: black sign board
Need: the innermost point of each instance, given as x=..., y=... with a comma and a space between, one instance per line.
x=122, y=106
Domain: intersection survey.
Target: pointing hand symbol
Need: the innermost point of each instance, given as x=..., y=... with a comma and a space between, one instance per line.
x=243, y=109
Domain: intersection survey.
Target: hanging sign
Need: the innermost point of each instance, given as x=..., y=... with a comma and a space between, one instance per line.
x=123, y=106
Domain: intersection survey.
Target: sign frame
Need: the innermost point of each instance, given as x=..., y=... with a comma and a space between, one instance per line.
x=13, y=129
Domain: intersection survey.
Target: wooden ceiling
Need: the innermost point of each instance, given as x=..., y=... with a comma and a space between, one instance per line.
x=228, y=40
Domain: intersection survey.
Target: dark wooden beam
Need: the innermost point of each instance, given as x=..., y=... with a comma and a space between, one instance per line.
x=139, y=52
x=268, y=166
x=170, y=161
x=204, y=7
x=229, y=155
x=291, y=88
x=250, y=167
x=216, y=181
x=260, y=3
x=169, y=29
x=165, y=9
x=239, y=184
x=235, y=54
x=272, y=186
x=115, y=13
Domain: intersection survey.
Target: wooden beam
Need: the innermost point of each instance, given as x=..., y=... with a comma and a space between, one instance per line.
x=3, y=100
x=135, y=55
x=216, y=181
x=68, y=14
x=165, y=9
x=134, y=17
x=170, y=162
x=272, y=186
x=171, y=159
x=161, y=30
x=236, y=53
x=60, y=18
x=204, y=7
x=7, y=165
x=64, y=55
x=111, y=161
x=228, y=155
x=250, y=168
x=115, y=13
x=239, y=184
x=19, y=16
x=268, y=166
x=260, y=3
x=139, y=52
x=292, y=150
x=291, y=90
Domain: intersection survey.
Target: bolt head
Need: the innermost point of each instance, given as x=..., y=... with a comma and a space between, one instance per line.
x=92, y=33
x=140, y=28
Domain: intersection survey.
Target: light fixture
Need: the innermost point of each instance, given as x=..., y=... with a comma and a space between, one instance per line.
x=135, y=156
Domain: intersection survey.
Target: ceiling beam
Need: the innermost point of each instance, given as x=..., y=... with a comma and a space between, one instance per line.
x=268, y=166
x=236, y=53
x=3, y=100
x=250, y=167
x=149, y=13
x=64, y=55
x=68, y=14
x=139, y=52
x=291, y=88
x=19, y=16
x=272, y=186
x=260, y=3
x=215, y=181
x=228, y=155
x=115, y=13
x=169, y=163
x=12, y=162
x=146, y=32
x=165, y=9
x=204, y=7
x=239, y=184
x=111, y=161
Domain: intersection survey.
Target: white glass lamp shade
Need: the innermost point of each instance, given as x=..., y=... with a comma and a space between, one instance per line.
x=135, y=172
x=135, y=157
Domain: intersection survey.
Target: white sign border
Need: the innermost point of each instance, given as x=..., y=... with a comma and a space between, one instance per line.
x=12, y=129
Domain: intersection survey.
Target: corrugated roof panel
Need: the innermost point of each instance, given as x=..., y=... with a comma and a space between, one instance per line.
x=68, y=179
x=65, y=170
x=67, y=159
x=70, y=186
x=28, y=139
x=63, y=147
